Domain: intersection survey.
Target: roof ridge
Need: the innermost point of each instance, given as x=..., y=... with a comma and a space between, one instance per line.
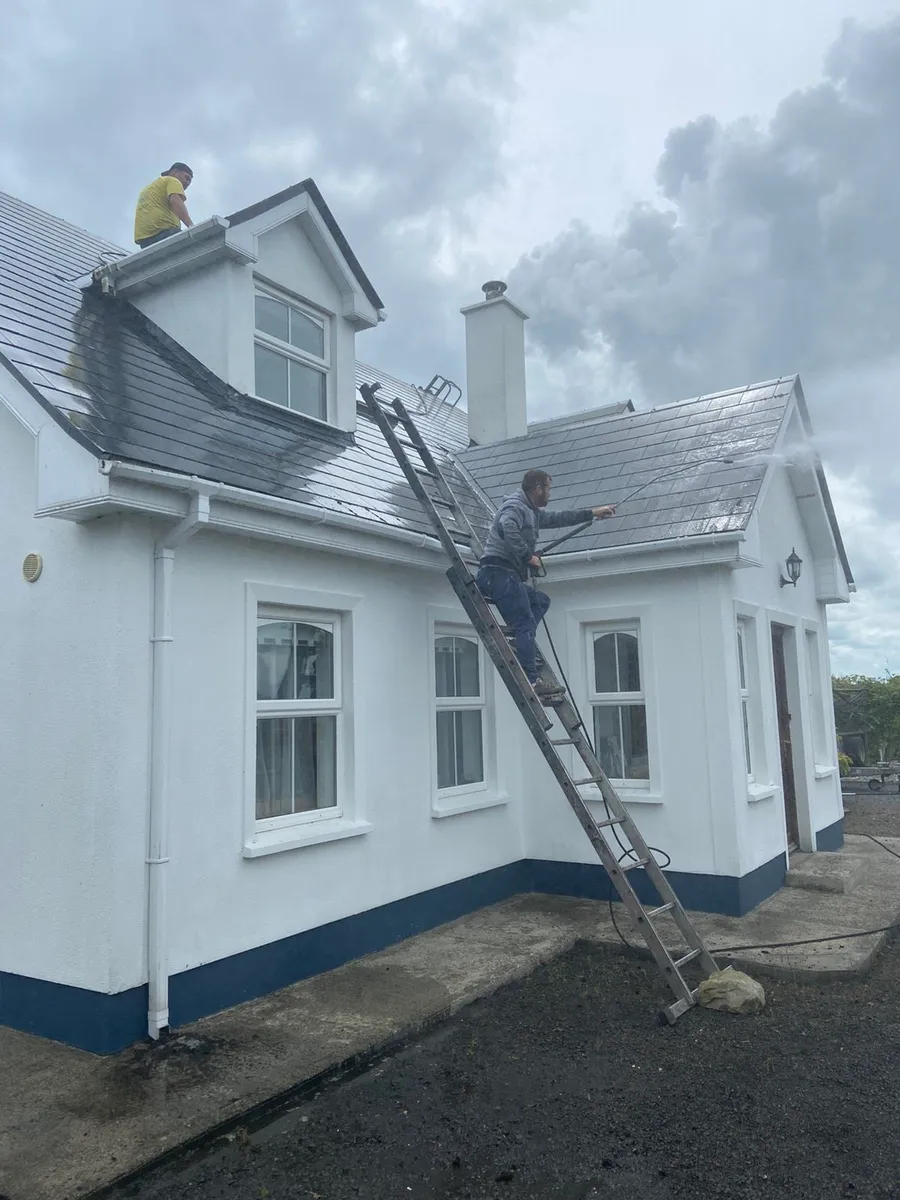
x=733, y=391
x=657, y=408
x=387, y=375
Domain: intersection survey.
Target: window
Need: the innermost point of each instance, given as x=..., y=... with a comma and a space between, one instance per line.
x=619, y=704
x=298, y=712
x=460, y=702
x=822, y=752
x=744, y=681
x=292, y=356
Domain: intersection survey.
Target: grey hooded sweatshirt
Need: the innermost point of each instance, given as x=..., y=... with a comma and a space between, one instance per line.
x=514, y=531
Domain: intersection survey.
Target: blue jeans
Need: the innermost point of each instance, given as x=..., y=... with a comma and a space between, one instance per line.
x=521, y=607
x=158, y=237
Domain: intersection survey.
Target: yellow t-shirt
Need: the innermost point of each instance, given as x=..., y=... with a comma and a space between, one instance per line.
x=153, y=214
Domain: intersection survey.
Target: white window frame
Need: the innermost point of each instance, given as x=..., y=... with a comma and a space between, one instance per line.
x=267, y=835
x=330, y=706
x=742, y=631
x=761, y=702
x=824, y=751
x=286, y=350
x=458, y=704
x=491, y=792
x=619, y=699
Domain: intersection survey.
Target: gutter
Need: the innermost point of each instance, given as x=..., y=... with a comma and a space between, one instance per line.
x=160, y=742
x=692, y=541
x=168, y=258
x=115, y=468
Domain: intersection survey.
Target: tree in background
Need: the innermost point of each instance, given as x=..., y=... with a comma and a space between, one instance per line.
x=875, y=705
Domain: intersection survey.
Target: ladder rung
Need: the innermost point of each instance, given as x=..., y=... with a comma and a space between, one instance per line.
x=409, y=445
x=611, y=821
x=689, y=957
x=590, y=779
x=451, y=504
x=426, y=472
x=633, y=866
x=563, y=741
x=655, y=912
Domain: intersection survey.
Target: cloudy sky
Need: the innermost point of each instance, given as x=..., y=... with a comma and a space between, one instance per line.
x=685, y=197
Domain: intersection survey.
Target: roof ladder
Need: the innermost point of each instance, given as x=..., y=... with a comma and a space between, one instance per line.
x=535, y=714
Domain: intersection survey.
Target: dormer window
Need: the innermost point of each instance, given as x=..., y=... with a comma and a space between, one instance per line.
x=292, y=355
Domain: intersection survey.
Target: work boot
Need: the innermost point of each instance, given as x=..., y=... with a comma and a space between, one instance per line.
x=544, y=689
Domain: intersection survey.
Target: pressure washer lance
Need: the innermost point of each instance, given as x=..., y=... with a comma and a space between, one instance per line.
x=541, y=571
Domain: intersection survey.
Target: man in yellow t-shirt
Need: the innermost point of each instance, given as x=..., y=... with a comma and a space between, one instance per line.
x=161, y=207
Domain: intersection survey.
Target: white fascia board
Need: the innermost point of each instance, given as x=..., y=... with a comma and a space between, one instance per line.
x=831, y=580
x=778, y=448
x=23, y=406
x=702, y=550
x=155, y=493
x=65, y=469
x=355, y=304
x=66, y=472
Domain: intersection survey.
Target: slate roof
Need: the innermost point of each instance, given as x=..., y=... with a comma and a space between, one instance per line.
x=125, y=390
x=604, y=460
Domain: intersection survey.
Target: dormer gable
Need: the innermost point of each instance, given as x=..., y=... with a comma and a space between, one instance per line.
x=270, y=299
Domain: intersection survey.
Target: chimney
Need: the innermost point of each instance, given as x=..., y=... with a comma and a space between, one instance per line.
x=495, y=367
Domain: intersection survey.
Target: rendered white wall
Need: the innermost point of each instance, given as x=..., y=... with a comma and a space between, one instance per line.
x=210, y=312
x=73, y=723
x=221, y=903
x=818, y=799
x=698, y=808
x=688, y=809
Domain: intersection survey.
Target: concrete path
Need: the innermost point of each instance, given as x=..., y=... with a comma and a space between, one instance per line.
x=71, y=1122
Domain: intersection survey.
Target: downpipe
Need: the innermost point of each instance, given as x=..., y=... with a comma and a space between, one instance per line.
x=160, y=739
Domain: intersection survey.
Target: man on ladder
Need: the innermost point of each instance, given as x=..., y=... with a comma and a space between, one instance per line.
x=505, y=560
x=509, y=552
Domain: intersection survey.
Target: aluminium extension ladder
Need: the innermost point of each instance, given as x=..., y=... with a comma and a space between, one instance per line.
x=454, y=529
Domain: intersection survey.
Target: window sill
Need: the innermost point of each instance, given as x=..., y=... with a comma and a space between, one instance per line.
x=761, y=791
x=628, y=795
x=825, y=772
x=473, y=802
x=319, y=422
x=294, y=837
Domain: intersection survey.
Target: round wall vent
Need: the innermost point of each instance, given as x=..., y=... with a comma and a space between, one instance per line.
x=32, y=567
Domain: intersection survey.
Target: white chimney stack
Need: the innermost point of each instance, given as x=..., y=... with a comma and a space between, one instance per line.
x=495, y=367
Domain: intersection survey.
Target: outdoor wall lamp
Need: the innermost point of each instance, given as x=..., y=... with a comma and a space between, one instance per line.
x=794, y=564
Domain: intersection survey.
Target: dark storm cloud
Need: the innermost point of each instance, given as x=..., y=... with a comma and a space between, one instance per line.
x=770, y=250
x=397, y=104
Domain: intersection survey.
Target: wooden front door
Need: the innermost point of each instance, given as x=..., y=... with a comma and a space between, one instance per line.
x=784, y=737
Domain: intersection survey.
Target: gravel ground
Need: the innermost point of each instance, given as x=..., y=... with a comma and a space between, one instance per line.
x=564, y=1087
x=877, y=813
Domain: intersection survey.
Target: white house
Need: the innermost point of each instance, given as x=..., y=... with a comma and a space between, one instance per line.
x=246, y=731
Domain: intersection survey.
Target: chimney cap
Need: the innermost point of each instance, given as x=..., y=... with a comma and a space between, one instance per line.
x=493, y=288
